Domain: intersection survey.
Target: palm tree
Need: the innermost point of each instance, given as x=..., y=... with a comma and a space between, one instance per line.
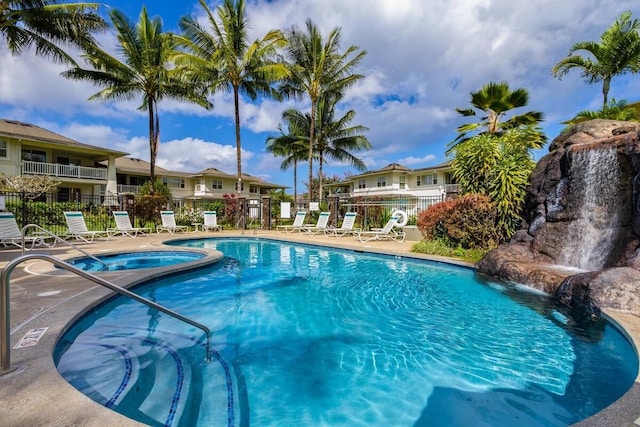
x=494, y=100
x=337, y=139
x=617, y=53
x=44, y=24
x=292, y=145
x=317, y=69
x=226, y=61
x=145, y=69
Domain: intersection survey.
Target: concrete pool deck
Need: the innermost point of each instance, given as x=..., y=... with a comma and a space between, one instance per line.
x=34, y=394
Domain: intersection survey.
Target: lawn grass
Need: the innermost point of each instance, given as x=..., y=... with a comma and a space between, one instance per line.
x=442, y=248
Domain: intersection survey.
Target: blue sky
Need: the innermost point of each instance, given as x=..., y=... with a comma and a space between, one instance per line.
x=424, y=58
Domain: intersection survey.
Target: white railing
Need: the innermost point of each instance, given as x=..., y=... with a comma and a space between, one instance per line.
x=63, y=171
x=128, y=188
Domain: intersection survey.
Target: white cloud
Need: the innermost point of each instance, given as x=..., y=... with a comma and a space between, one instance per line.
x=424, y=59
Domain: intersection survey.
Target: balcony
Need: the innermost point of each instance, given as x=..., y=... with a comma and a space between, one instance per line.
x=128, y=189
x=63, y=171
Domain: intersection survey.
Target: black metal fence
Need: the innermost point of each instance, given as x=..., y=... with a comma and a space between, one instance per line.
x=47, y=211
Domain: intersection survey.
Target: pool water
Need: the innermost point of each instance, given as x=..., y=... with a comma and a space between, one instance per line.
x=135, y=260
x=308, y=336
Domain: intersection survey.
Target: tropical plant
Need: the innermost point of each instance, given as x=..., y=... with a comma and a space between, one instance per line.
x=468, y=222
x=494, y=100
x=318, y=68
x=292, y=145
x=614, y=110
x=617, y=53
x=497, y=165
x=336, y=138
x=44, y=24
x=225, y=60
x=145, y=69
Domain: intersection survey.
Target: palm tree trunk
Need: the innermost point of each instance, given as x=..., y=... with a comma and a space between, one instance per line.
x=311, y=142
x=320, y=178
x=606, y=84
x=153, y=146
x=295, y=183
x=236, y=104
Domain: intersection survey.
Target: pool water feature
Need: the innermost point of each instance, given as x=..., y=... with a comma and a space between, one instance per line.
x=135, y=260
x=311, y=336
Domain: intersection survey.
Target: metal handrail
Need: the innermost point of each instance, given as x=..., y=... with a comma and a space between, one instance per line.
x=56, y=240
x=5, y=352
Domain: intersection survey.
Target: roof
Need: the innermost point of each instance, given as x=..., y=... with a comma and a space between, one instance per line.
x=443, y=165
x=393, y=167
x=389, y=168
x=27, y=131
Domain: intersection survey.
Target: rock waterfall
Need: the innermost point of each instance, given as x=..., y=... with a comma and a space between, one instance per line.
x=580, y=240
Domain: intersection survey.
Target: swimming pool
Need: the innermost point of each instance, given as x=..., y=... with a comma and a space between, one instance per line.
x=135, y=260
x=310, y=336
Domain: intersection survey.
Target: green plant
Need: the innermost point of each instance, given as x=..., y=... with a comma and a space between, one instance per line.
x=442, y=247
x=468, y=222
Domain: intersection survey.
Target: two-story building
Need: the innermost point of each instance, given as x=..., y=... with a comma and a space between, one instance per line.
x=86, y=170
x=398, y=180
x=29, y=150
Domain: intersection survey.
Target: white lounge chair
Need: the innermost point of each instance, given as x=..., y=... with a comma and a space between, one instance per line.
x=11, y=235
x=347, y=226
x=124, y=227
x=388, y=232
x=77, y=228
x=211, y=221
x=169, y=223
x=321, y=225
x=298, y=223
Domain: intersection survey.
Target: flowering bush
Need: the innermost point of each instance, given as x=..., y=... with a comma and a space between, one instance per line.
x=468, y=222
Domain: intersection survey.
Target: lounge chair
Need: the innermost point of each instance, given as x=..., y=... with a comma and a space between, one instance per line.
x=348, y=223
x=388, y=232
x=211, y=221
x=124, y=227
x=169, y=223
x=77, y=228
x=298, y=223
x=320, y=227
x=11, y=235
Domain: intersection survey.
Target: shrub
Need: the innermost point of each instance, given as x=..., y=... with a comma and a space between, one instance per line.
x=468, y=222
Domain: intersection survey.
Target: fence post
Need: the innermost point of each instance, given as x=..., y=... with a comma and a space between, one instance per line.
x=266, y=213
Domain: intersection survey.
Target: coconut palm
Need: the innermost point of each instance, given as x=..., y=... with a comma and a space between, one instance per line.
x=44, y=24
x=225, y=60
x=292, y=145
x=617, y=53
x=144, y=69
x=318, y=68
x=337, y=138
x=494, y=100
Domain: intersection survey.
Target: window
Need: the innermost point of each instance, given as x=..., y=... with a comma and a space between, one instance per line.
x=362, y=183
x=253, y=189
x=34, y=156
x=216, y=184
x=427, y=180
x=173, y=182
x=382, y=181
x=402, y=182
x=68, y=161
x=3, y=149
